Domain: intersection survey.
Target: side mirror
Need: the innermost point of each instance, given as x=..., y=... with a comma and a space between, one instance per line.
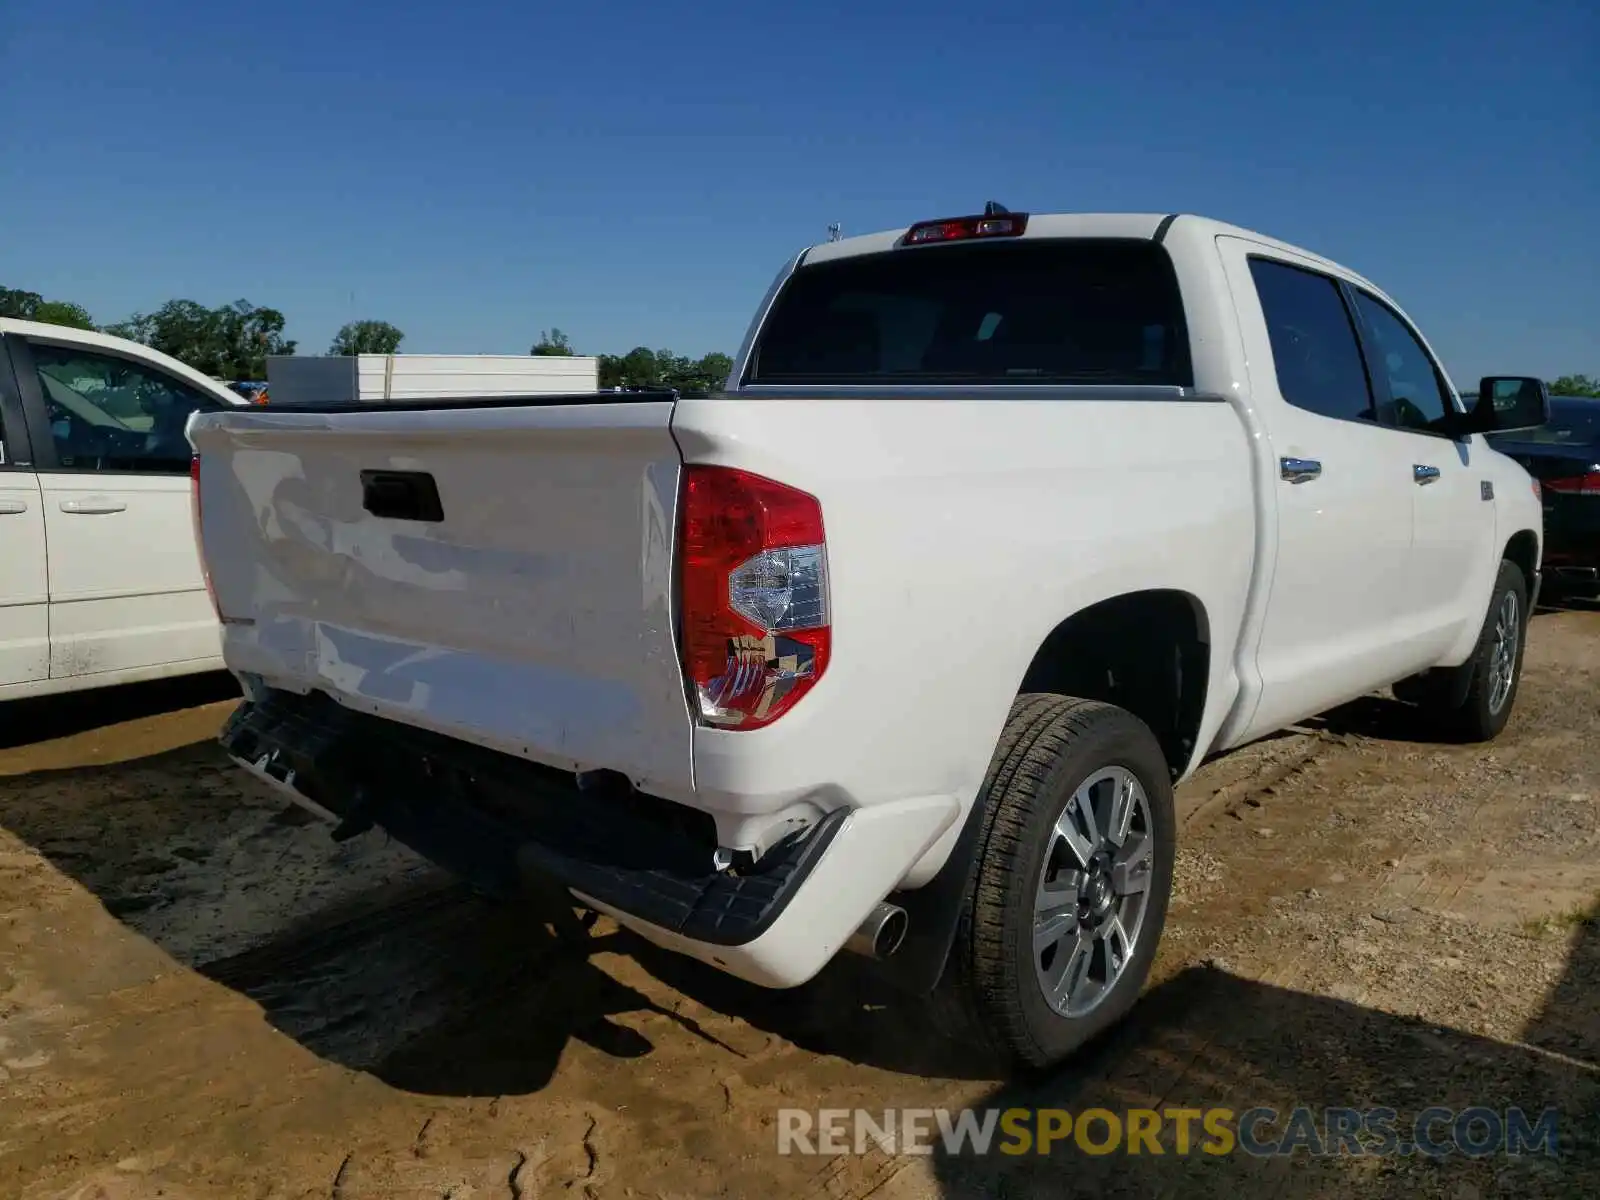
x=1508, y=402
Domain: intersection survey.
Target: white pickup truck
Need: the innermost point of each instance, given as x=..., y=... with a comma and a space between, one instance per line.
x=100, y=581
x=1002, y=525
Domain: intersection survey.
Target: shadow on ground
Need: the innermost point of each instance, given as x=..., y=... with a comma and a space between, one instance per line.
x=1380, y=717
x=414, y=979
x=501, y=996
x=1208, y=1039
x=1557, y=600
x=436, y=991
x=1386, y=719
x=70, y=713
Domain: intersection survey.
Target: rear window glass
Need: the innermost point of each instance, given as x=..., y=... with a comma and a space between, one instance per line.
x=1022, y=312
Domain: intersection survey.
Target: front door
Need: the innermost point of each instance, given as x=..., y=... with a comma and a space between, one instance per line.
x=24, y=590
x=125, y=583
x=1341, y=491
x=1453, y=523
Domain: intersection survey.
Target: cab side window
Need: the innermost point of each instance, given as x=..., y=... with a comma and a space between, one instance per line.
x=1315, y=350
x=1418, y=398
x=110, y=414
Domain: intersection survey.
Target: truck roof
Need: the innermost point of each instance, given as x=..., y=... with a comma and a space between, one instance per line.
x=1084, y=225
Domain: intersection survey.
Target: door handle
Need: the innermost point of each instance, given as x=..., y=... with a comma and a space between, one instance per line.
x=95, y=506
x=1299, y=470
x=10, y=508
x=1423, y=474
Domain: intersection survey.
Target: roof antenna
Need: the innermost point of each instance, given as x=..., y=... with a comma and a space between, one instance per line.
x=995, y=209
x=835, y=232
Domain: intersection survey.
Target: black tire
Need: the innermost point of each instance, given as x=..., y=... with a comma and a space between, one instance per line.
x=992, y=993
x=1470, y=703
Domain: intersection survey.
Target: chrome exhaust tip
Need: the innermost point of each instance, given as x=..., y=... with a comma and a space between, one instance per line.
x=881, y=933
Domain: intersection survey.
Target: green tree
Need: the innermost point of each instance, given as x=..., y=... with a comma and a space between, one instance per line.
x=643, y=367
x=1576, y=385
x=714, y=369
x=19, y=305
x=367, y=337
x=64, y=312
x=31, y=306
x=693, y=375
x=249, y=335
x=552, y=343
x=637, y=368
x=673, y=369
x=184, y=329
x=228, y=342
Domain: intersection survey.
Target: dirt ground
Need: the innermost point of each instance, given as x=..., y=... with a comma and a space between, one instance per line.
x=201, y=995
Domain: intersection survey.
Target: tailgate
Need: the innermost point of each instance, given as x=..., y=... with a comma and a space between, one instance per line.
x=528, y=609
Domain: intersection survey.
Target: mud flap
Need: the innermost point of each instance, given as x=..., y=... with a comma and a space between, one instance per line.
x=933, y=914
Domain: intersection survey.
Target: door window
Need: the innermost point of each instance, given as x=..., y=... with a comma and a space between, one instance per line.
x=112, y=414
x=1314, y=347
x=1418, y=398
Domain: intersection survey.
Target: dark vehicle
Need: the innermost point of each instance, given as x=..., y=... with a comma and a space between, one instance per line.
x=1564, y=456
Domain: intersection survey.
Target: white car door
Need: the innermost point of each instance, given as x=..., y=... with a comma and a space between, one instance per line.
x=127, y=593
x=24, y=590
x=1453, y=518
x=1342, y=491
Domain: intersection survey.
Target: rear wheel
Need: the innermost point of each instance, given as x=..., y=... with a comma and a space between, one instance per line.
x=1473, y=702
x=1072, y=881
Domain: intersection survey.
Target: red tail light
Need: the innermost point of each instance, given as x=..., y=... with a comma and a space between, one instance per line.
x=753, y=569
x=955, y=229
x=199, y=539
x=1577, y=485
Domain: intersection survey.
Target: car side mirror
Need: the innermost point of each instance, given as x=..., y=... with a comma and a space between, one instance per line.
x=1508, y=402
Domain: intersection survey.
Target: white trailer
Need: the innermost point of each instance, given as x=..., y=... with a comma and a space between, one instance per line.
x=380, y=378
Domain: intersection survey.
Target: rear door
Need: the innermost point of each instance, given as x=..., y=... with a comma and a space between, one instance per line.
x=126, y=589
x=1342, y=491
x=24, y=591
x=1453, y=516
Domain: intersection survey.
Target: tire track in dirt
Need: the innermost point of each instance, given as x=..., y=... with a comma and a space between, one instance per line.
x=1281, y=767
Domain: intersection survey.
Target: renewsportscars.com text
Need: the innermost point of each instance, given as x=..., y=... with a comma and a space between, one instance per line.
x=1436, y=1132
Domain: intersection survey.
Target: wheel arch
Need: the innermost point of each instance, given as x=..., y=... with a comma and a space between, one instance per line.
x=1147, y=651
x=1163, y=681
x=1523, y=549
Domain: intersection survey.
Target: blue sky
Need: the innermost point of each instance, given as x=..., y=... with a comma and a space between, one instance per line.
x=635, y=173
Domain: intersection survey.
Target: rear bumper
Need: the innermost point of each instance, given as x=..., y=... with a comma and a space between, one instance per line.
x=507, y=826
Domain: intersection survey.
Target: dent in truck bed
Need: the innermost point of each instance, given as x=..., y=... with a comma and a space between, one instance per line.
x=501, y=823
